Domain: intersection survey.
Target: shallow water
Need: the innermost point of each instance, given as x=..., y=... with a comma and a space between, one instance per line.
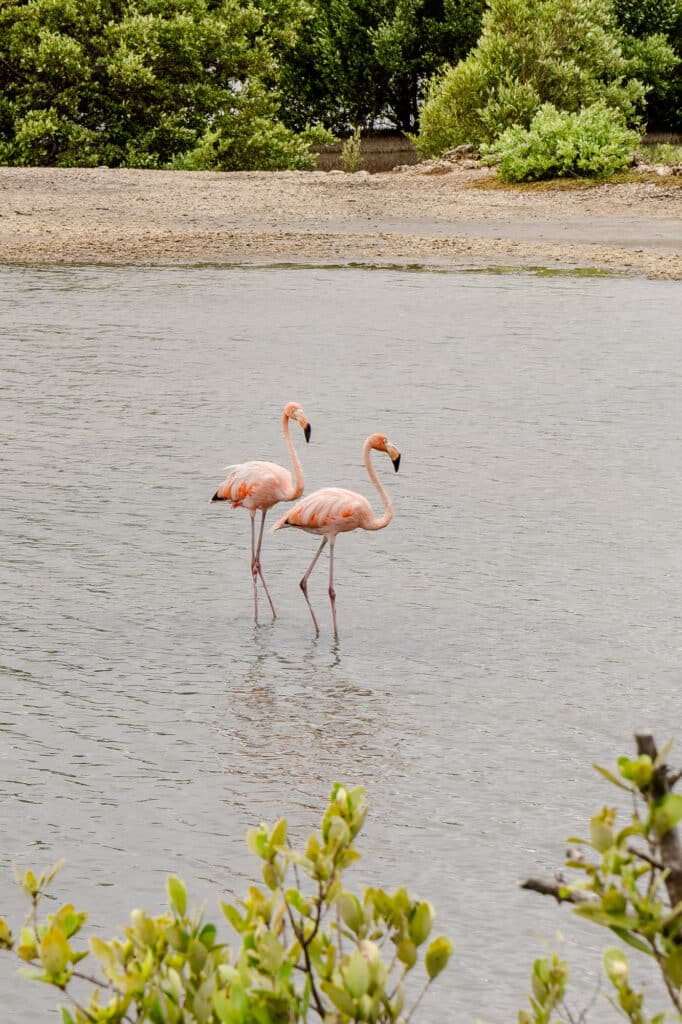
x=517, y=620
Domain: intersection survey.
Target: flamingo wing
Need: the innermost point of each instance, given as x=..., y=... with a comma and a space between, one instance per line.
x=255, y=485
x=331, y=510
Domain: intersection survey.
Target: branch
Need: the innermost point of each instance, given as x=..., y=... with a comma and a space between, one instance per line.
x=553, y=887
x=669, y=845
x=645, y=856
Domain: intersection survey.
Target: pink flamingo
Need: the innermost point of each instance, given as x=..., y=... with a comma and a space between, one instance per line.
x=260, y=485
x=334, y=510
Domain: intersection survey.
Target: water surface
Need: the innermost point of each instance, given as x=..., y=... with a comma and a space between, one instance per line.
x=517, y=620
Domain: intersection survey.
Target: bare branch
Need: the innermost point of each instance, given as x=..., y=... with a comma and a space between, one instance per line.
x=553, y=887
x=645, y=856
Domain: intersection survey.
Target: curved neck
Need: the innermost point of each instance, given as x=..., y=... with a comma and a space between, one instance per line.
x=299, y=480
x=379, y=522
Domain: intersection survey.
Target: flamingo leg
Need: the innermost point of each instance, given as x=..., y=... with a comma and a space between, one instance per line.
x=259, y=569
x=304, y=583
x=332, y=592
x=254, y=571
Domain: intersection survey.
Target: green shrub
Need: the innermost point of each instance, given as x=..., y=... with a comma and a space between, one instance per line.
x=593, y=143
x=305, y=945
x=351, y=153
x=565, y=52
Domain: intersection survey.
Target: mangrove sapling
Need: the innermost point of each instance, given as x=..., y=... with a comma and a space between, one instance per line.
x=631, y=883
x=306, y=948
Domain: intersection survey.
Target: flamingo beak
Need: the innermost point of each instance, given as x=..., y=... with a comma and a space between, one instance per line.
x=306, y=431
x=394, y=455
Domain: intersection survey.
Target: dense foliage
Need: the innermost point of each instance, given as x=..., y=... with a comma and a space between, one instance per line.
x=565, y=52
x=358, y=61
x=592, y=143
x=141, y=83
x=305, y=945
x=236, y=84
x=646, y=24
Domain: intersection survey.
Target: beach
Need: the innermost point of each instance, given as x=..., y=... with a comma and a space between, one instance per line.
x=427, y=215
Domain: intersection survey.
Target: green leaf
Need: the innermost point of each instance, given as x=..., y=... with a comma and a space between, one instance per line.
x=270, y=952
x=356, y=975
x=639, y=771
x=233, y=916
x=407, y=952
x=5, y=934
x=54, y=951
x=615, y=965
x=611, y=778
x=278, y=836
x=341, y=1000
x=420, y=923
x=103, y=951
x=437, y=956
x=351, y=911
x=207, y=935
x=667, y=813
x=632, y=940
x=601, y=835
x=257, y=841
x=672, y=965
x=227, y=1010
x=177, y=894
x=66, y=1016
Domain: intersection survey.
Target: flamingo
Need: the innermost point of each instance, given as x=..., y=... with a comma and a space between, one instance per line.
x=260, y=485
x=334, y=510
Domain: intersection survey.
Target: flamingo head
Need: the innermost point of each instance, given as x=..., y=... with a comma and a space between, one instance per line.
x=382, y=444
x=293, y=411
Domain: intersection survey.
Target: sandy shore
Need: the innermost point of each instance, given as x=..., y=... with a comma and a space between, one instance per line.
x=74, y=216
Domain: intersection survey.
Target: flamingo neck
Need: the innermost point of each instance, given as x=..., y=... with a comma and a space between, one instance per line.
x=377, y=522
x=299, y=480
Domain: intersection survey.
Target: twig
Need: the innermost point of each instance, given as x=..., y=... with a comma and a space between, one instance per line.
x=419, y=999
x=553, y=887
x=645, y=856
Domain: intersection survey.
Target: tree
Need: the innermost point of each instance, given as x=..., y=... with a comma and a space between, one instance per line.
x=565, y=52
x=650, y=28
x=134, y=84
x=359, y=61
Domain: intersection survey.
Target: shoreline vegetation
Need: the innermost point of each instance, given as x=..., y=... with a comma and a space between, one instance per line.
x=439, y=214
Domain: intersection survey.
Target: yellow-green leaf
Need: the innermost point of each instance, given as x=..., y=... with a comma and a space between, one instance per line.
x=341, y=1000
x=420, y=923
x=615, y=965
x=54, y=951
x=177, y=894
x=437, y=956
x=351, y=911
x=5, y=934
x=356, y=974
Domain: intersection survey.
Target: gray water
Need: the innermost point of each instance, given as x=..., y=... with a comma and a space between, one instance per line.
x=518, y=619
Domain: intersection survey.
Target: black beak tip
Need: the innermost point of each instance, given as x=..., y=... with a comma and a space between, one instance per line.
x=396, y=463
x=306, y=431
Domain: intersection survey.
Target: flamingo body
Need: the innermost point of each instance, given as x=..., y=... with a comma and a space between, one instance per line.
x=329, y=511
x=257, y=486
x=334, y=510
